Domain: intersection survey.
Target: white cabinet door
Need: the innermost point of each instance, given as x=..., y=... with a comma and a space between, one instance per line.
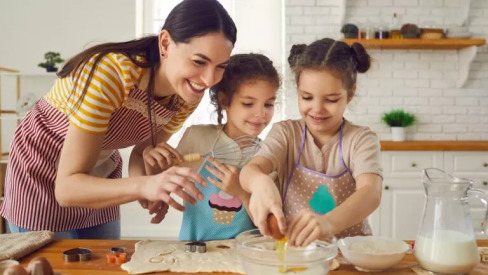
x=403, y=198
x=401, y=209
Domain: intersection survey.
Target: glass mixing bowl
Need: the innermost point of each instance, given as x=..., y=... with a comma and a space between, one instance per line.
x=259, y=256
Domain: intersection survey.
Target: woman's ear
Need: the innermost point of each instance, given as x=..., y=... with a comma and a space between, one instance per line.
x=351, y=93
x=163, y=42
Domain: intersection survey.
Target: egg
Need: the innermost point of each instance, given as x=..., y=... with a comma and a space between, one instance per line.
x=273, y=228
x=39, y=266
x=15, y=270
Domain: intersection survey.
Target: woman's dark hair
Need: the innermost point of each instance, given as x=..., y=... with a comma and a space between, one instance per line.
x=241, y=69
x=189, y=19
x=339, y=58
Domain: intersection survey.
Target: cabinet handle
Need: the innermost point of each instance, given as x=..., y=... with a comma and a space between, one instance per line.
x=413, y=164
x=485, y=183
x=387, y=187
x=485, y=164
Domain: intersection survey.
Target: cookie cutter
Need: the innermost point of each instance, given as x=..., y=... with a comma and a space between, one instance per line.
x=117, y=250
x=198, y=247
x=77, y=254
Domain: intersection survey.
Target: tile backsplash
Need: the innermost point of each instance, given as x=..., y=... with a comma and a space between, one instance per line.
x=420, y=81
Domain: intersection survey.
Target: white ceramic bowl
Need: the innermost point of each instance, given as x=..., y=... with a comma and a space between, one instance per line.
x=372, y=254
x=258, y=256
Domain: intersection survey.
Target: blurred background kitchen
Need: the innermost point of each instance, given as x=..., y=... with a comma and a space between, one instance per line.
x=445, y=89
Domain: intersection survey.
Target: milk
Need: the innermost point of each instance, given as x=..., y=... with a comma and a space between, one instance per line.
x=451, y=252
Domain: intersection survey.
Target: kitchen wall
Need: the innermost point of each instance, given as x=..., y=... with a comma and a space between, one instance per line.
x=420, y=81
x=29, y=28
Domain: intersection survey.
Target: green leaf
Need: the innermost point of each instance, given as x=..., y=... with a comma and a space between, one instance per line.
x=398, y=118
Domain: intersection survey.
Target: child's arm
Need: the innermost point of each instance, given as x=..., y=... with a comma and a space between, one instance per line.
x=265, y=197
x=306, y=227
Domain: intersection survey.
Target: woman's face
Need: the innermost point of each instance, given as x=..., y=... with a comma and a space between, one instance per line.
x=188, y=69
x=322, y=100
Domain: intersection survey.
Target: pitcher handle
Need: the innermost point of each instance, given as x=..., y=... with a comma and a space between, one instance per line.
x=482, y=196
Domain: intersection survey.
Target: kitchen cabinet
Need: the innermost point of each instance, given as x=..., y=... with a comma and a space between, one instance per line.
x=403, y=199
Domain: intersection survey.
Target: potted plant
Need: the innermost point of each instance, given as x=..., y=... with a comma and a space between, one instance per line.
x=398, y=120
x=410, y=31
x=350, y=31
x=52, y=58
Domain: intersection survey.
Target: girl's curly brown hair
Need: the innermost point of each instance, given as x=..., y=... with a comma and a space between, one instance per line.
x=241, y=69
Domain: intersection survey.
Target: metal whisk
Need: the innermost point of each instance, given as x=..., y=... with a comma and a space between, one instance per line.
x=238, y=151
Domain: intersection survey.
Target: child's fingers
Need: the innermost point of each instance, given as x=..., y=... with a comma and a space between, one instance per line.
x=296, y=228
x=220, y=166
x=218, y=184
x=307, y=229
x=217, y=173
x=314, y=235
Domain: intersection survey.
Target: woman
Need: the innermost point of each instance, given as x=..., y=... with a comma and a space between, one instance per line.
x=64, y=169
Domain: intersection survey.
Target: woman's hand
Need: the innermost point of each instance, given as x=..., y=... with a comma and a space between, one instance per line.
x=307, y=227
x=160, y=208
x=159, y=158
x=228, y=176
x=177, y=180
x=265, y=199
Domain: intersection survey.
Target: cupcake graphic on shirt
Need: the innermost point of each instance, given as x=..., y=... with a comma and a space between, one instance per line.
x=224, y=207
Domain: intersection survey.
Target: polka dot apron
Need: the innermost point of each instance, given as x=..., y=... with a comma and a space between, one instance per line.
x=306, y=188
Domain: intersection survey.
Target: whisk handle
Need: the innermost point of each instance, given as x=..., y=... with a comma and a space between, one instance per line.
x=191, y=157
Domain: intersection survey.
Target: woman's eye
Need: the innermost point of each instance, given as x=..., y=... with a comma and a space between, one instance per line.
x=332, y=101
x=306, y=97
x=199, y=62
x=269, y=105
x=223, y=67
x=247, y=104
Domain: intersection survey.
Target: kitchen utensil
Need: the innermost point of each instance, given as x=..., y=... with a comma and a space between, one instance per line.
x=77, y=254
x=259, y=256
x=235, y=151
x=372, y=253
x=446, y=240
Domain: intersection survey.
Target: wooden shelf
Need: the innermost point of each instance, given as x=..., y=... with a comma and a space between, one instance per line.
x=434, y=44
x=434, y=145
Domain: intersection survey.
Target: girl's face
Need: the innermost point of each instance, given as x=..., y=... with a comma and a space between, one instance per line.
x=322, y=100
x=188, y=69
x=251, y=108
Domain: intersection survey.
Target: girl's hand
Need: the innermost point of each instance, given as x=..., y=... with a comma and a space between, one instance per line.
x=159, y=158
x=307, y=227
x=176, y=180
x=266, y=199
x=228, y=176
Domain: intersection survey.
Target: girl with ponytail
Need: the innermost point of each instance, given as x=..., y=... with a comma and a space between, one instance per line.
x=329, y=174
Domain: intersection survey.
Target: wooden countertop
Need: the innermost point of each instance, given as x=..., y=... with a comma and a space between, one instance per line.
x=98, y=265
x=434, y=145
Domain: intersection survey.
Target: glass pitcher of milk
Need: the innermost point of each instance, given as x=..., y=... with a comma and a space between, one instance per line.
x=446, y=241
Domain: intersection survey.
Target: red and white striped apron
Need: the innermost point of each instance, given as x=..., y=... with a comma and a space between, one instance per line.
x=34, y=153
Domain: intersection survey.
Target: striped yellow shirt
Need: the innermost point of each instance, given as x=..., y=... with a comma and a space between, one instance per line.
x=115, y=76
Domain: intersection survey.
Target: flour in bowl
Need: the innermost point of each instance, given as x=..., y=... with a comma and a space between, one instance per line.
x=373, y=247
